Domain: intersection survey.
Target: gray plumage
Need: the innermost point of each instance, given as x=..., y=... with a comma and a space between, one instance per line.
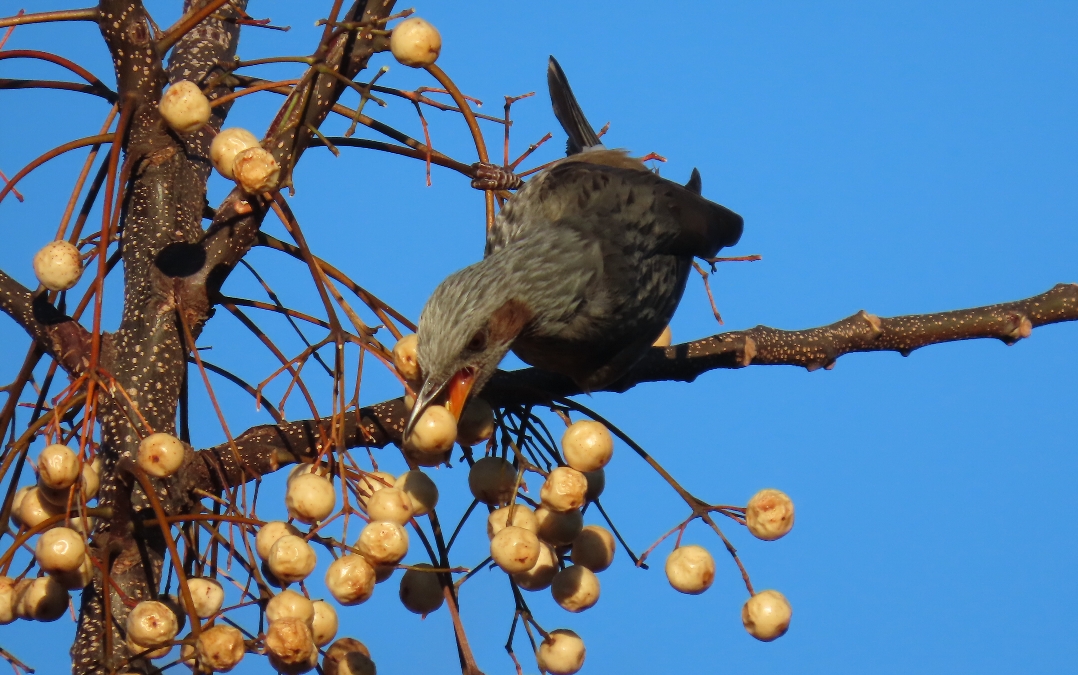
x=583, y=268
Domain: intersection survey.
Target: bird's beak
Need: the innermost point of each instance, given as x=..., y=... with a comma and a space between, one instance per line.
x=454, y=393
x=460, y=385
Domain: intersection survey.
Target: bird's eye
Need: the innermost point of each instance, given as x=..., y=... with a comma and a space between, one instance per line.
x=478, y=342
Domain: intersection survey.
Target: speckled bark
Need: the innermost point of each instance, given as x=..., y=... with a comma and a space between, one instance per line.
x=172, y=267
x=61, y=337
x=147, y=355
x=270, y=446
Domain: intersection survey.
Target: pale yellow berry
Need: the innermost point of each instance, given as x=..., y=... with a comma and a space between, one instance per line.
x=664, y=339
x=184, y=107
x=515, y=549
x=219, y=648
x=564, y=489
x=415, y=43
x=84, y=528
x=7, y=600
x=176, y=606
x=160, y=454
x=492, y=480
x=766, y=615
x=559, y=527
x=690, y=569
x=373, y=481
x=290, y=646
x=406, y=358
x=310, y=498
x=575, y=588
x=434, y=432
x=58, y=265
x=187, y=653
x=348, y=656
x=151, y=624
x=91, y=479
x=587, y=445
x=350, y=579
x=390, y=505
x=561, y=653
x=306, y=468
x=289, y=604
x=476, y=423
x=255, y=170
x=34, y=510
x=41, y=599
x=594, y=548
x=383, y=543
x=57, y=467
x=542, y=572
x=226, y=145
x=270, y=577
x=16, y=503
x=769, y=514
x=420, y=489
x=324, y=626
x=207, y=594
x=60, y=549
x=291, y=559
x=522, y=517
x=421, y=591
x=425, y=459
x=58, y=497
x=268, y=535
x=76, y=579
x=596, y=484
x=144, y=652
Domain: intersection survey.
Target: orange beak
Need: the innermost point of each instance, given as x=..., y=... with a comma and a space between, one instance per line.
x=460, y=385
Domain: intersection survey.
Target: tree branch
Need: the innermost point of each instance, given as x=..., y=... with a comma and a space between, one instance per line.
x=59, y=335
x=269, y=447
x=811, y=348
x=239, y=217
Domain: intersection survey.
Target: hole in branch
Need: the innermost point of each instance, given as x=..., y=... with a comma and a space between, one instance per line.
x=180, y=259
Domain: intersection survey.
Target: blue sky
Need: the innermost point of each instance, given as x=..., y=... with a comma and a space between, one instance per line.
x=898, y=158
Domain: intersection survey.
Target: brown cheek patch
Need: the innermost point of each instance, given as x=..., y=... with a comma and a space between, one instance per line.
x=508, y=320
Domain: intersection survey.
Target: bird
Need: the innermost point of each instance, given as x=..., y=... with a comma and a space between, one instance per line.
x=582, y=270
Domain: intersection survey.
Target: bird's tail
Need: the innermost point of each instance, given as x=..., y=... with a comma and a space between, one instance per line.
x=567, y=110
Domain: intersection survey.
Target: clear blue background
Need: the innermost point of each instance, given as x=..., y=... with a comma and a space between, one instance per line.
x=902, y=159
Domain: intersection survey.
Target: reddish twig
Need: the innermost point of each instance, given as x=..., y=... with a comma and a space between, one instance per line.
x=531, y=148
x=171, y=36
x=15, y=192
x=473, y=126
x=707, y=287
x=262, y=86
x=21, y=19
x=52, y=154
x=58, y=60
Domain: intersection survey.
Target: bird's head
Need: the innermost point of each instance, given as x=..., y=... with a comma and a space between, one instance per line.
x=466, y=328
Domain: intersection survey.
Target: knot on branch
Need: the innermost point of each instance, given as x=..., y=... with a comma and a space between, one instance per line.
x=1016, y=326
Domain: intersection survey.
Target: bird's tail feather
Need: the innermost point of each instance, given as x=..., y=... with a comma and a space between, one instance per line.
x=567, y=110
x=695, y=184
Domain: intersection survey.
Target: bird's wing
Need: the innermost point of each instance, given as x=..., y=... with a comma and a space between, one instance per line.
x=567, y=110
x=634, y=210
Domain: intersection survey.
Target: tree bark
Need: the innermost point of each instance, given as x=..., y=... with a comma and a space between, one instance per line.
x=270, y=446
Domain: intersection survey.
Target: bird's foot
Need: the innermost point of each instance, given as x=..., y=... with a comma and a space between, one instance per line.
x=494, y=177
